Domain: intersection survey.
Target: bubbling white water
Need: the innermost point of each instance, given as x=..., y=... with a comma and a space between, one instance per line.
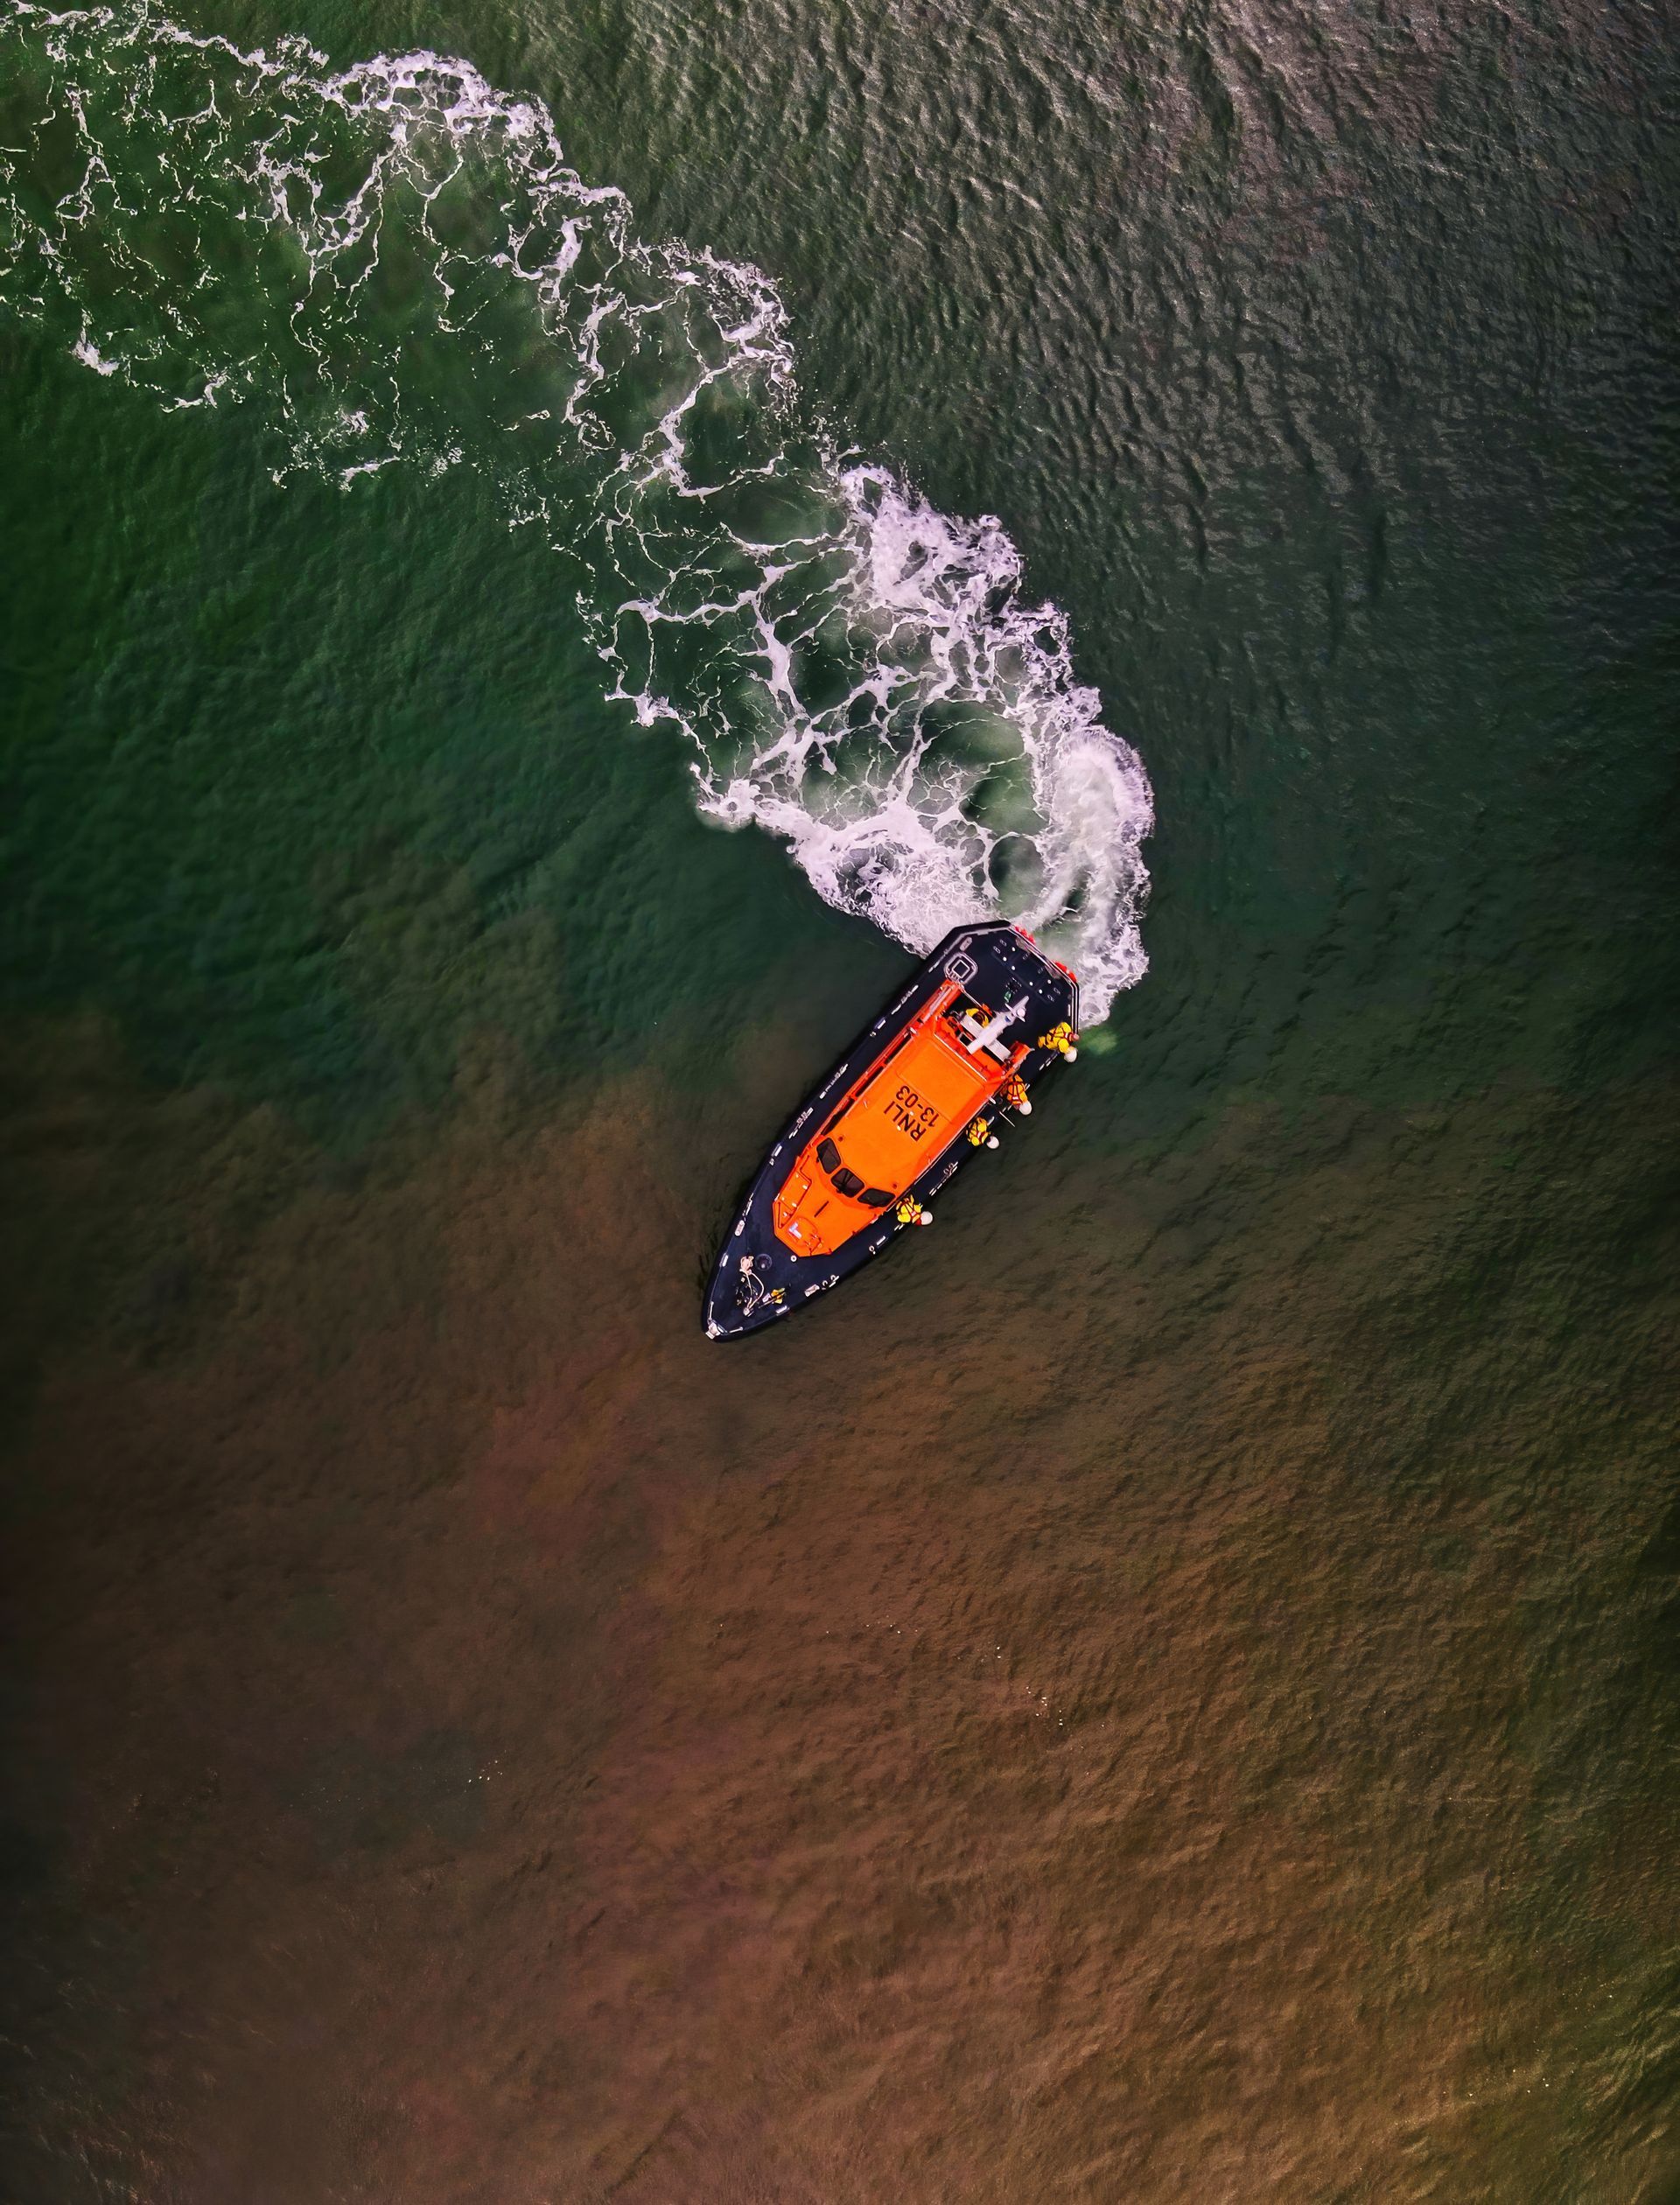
x=397, y=263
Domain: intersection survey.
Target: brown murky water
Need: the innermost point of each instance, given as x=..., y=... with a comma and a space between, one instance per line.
x=502, y=1747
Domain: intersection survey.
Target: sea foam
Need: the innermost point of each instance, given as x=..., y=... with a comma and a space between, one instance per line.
x=395, y=262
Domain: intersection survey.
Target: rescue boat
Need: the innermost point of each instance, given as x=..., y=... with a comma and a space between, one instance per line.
x=947, y=1065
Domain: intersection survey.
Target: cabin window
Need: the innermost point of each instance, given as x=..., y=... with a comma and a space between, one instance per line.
x=876, y=1197
x=828, y=1156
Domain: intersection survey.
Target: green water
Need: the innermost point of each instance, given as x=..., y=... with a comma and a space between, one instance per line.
x=1312, y=1354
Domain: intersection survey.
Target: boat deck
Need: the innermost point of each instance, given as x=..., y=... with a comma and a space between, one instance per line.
x=758, y=1278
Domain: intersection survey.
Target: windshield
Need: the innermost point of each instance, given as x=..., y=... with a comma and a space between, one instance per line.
x=847, y=1182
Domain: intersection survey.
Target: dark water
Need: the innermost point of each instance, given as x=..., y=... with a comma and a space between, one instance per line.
x=1168, y=1687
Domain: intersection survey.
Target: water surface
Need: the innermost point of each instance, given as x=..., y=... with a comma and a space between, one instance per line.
x=1166, y=1687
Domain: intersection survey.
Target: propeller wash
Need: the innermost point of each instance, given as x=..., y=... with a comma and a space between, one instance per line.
x=396, y=265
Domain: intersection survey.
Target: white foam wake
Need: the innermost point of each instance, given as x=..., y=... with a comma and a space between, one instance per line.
x=395, y=262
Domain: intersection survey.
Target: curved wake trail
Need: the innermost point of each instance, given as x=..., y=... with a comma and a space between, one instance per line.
x=396, y=264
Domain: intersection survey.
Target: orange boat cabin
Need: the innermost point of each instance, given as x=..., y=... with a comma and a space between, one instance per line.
x=932, y=1081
